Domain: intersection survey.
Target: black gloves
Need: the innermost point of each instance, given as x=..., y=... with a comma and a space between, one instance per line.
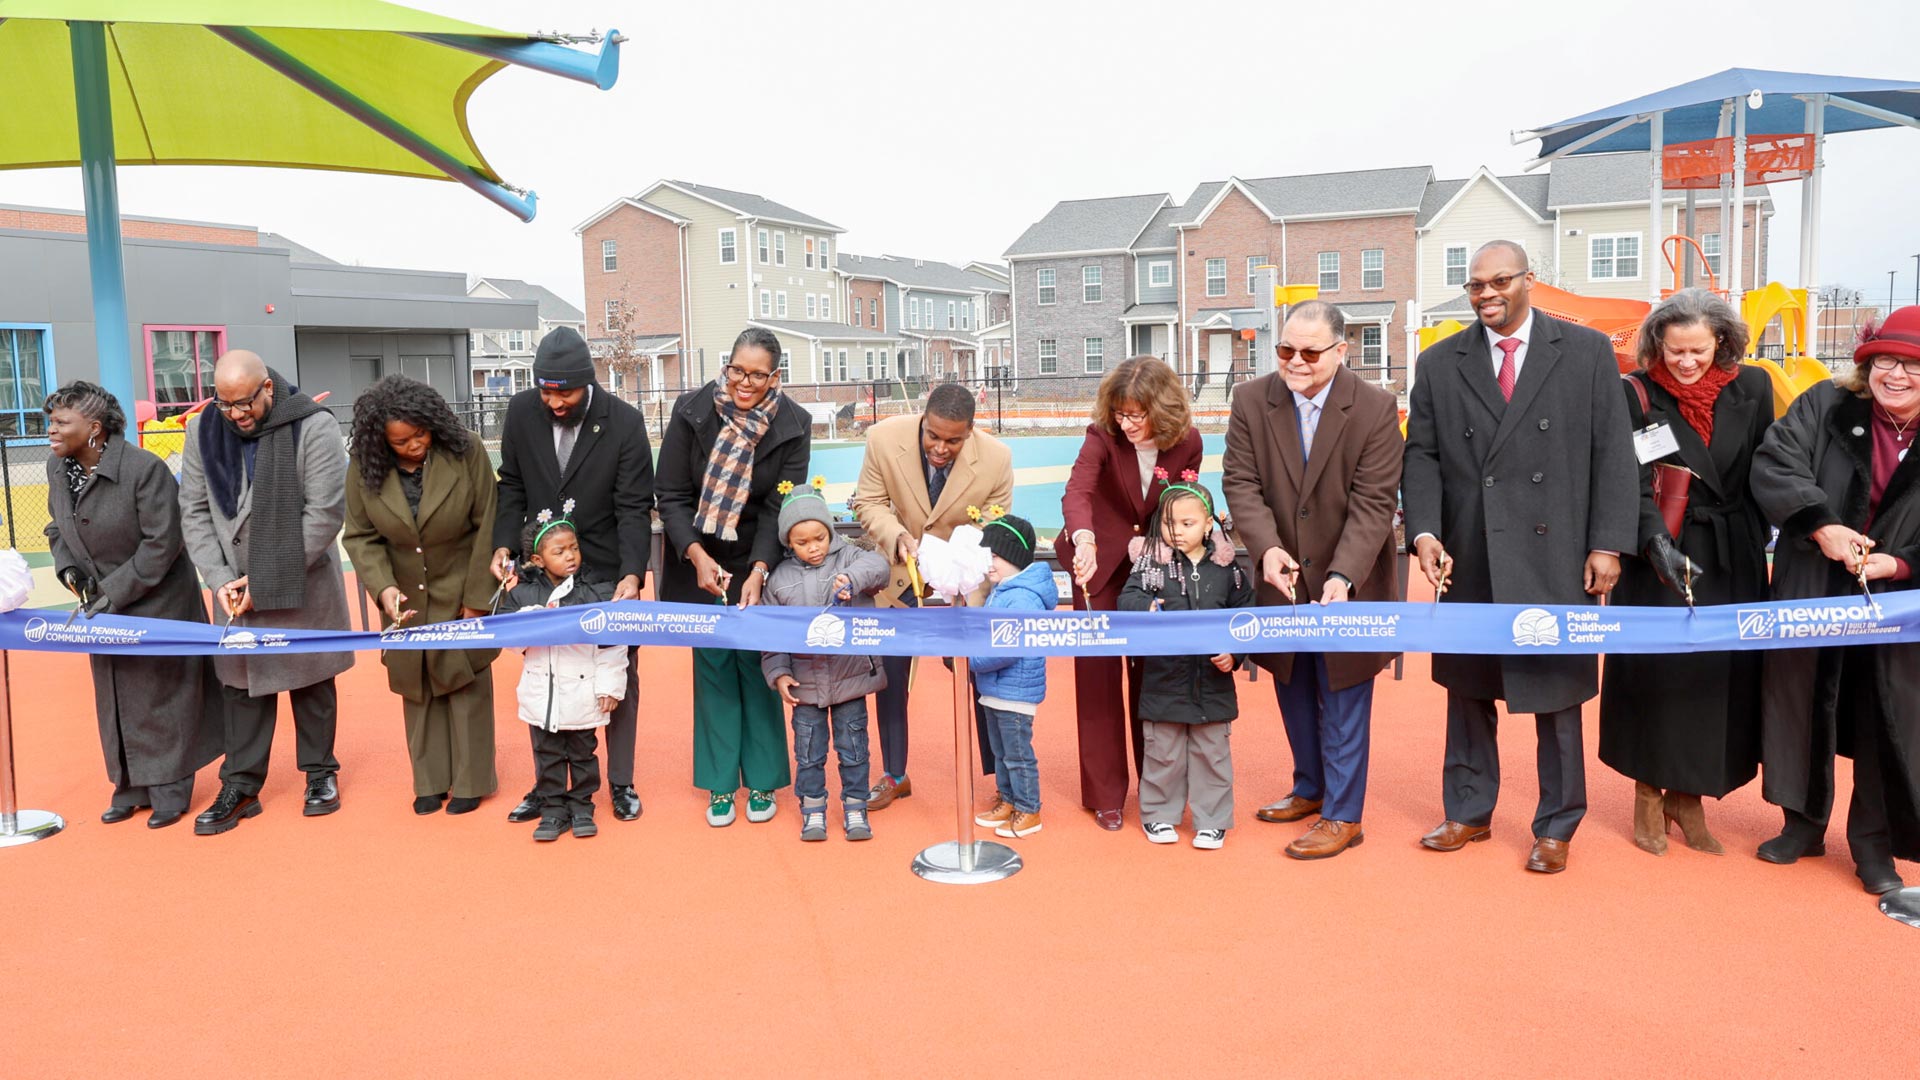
x=1672, y=566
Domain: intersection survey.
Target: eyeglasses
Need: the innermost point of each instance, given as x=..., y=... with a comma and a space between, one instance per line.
x=1888, y=363
x=735, y=373
x=1499, y=284
x=244, y=403
x=1130, y=417
x=1311, y=356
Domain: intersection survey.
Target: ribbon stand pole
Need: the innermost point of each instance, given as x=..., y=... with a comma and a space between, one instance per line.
x=17, y=827
x=965, y=861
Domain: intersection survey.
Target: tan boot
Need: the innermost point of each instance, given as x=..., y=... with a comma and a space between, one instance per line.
x=1692, y=819
x=1649, y=827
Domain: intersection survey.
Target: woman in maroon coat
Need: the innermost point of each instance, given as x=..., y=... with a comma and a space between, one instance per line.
x=1140, y=424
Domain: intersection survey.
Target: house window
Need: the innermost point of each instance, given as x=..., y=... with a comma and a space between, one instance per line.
x=1614, y=258
x=886, y=361
x=869, y=365
x=780, y=305
x=1373, y=268
x=812, y=310
x=966, y=315
x=913, y=312
x=516, y=341
x=1710, y=246
x=786, y=362
x=179, y=365
x=843, y=365
x=952, y=314
x=1090, y=284
x=727, y=253
x=873, y=312
x=1456, y=262
x=1373, y=344
x=939, y=365
x=1329, y=271
x=1095, y=355
x=858, y=305
x=766, y=303
x=1049, y=356
x=765, y=254
x=779, y=248
x=1254, y=263
x=609, y=256
x=1043, y=280
x=1216, y=277
x=1160, y=274
x=807, y=259
x=610, y=316
x=824, y=265
x=26, y=373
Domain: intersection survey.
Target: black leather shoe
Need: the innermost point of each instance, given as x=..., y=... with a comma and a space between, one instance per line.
x=626, y=802
x=1791, y=846
x=584, y=827
x=1879, y=877
x=528, y=809
x=162, y=819
x=229, y=809
x=323, y=796
x=428, y=804
x=114, y=815
x=550, y=829
x=462, y=805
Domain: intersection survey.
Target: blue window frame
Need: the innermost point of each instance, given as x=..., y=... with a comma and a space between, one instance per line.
x=26, y=376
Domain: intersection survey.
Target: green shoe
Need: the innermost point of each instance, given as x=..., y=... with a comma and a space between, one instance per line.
x=760, y=806
x=720, y=809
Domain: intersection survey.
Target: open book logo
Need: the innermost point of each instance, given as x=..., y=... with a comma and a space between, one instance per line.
x=826, y=631
x=1536, y=626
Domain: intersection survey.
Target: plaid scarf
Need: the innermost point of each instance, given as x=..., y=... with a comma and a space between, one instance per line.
x=729, y=481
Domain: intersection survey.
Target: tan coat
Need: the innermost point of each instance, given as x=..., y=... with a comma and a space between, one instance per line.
x=1334, y=513
x=891, y=497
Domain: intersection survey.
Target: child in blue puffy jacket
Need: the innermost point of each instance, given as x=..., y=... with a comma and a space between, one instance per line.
x=1012, y=686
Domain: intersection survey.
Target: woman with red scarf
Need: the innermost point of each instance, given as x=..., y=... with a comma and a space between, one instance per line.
x=1687, y=725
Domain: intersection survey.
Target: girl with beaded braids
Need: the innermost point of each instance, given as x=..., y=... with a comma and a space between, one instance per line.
x=1187, y=703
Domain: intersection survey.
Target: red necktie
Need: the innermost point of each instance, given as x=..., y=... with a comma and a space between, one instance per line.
x=1508, y=346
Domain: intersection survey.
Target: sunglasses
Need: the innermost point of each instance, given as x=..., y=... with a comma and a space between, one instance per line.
x=1311, y=356
x=1499, y=284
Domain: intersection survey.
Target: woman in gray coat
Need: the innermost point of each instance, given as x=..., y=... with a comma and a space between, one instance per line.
x=115, y=538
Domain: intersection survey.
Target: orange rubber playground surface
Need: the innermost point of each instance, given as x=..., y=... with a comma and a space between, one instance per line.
x=374, y=943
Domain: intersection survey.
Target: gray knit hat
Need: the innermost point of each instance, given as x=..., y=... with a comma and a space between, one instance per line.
x=803, y=504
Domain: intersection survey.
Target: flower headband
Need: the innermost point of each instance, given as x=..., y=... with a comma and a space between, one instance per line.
x=548, y=522
x=1186, y=486
x=815, y=489
x=992, y=516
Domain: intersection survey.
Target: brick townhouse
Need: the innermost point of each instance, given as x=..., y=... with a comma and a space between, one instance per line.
x=937, y=311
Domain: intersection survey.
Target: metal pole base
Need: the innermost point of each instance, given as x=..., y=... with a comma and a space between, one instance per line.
x=31, y=825
x=949, y=864
x=1902, y=904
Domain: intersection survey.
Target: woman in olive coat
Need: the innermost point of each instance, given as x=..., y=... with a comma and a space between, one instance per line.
x=115, y=538
x=420, y=507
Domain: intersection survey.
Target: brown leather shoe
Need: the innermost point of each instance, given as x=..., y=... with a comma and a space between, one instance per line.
x=1452, y=836
x=1549, y=856
x=1326, y=839
x=887, y=790
x=1109, y=820
x=1291, y=808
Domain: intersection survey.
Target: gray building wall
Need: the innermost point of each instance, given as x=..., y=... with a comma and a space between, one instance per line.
x=1165, y=294
x=1069, y=321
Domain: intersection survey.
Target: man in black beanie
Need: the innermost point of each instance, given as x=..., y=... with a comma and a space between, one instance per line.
x=565, y=439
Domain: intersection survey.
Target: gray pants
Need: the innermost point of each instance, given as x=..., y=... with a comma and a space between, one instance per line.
x=1187, y=765
x=1470, y=784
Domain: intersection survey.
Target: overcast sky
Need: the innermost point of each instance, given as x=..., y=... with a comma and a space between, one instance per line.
x=942, y=131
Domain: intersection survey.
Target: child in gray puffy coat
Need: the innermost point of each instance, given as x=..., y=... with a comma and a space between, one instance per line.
x=825, y=572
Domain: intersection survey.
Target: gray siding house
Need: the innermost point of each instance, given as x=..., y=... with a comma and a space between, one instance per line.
x=1073, y=290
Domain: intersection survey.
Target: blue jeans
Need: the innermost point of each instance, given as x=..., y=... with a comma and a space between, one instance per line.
x=849, y=721
x=1014, y=768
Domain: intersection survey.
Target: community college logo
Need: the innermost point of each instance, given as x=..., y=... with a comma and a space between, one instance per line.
x=1005, y=633
x=1244, y=626
x=1756, y=624
x=826, y=631
x=1536, y=626
x=593, y=621
x=36, y=629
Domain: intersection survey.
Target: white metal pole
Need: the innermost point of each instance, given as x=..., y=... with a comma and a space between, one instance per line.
x=1656, y=191
x=1810, y=218
x=1736, y=280
x=1724, y=130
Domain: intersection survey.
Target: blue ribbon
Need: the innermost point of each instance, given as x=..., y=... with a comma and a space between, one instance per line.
x=1487, y=629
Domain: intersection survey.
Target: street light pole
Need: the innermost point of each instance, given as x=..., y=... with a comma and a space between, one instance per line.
x=1889, y=310
x=1916, y=280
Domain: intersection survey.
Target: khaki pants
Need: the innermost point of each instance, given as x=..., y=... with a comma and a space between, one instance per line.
x=1188, y=765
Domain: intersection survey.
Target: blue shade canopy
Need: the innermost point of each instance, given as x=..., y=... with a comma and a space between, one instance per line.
x=1693, y=110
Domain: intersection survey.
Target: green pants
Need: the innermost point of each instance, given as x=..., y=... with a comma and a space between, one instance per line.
x=450, y=741
x=739, y=728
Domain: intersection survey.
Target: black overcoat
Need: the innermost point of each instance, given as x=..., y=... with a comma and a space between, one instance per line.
x=609, y=477
x=160, y=716
x=1520, y=492
x=1691, y=721
x=1814, y=469
x=692, y=429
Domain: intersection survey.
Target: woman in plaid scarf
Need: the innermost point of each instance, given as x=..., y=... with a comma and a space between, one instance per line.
x=727, y=446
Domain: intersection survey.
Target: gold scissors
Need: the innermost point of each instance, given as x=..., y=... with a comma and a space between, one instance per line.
x=1860, y=573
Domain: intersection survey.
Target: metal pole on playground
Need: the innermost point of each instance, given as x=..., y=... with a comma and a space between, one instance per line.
x=17, y=826
x=964, y=860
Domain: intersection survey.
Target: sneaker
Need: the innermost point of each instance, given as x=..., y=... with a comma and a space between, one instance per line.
x=584, y=827
x=550, y=829
x=813, y=822
x=720, y=809
x=857, y=827
x=1210, y=839
x=760, y=806
x=1160, y=832
x=997, y=814
x=1020, y=824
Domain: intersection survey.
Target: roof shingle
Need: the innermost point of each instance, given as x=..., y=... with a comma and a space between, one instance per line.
x=1088, y=225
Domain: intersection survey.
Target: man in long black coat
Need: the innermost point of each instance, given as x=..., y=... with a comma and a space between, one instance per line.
x=568, y=438
x=1520, y=487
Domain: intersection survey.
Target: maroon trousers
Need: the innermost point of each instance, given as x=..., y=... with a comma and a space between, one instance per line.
x=1106, y=713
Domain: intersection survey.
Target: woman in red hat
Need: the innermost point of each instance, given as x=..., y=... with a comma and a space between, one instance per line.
x=1837, y=476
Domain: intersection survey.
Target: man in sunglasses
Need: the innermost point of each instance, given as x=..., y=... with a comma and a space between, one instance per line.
x=1312, y=475
x=1521, y=488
